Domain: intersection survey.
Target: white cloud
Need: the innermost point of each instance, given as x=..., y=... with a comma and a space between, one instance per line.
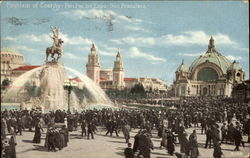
x=45, y=38
x=8, y=38
x=106, y=53
x=135, y=52
x=106, y=15
x=75, y=40
x=137, y=28
x=35, y=38
x=30, y=38
x=190, y=54
x=184, y=39
x=27, y=49
x=195, y=37
x=135, y=41
x=241, y=49
x=71, y=56
x=83, y=48
x=231, y=57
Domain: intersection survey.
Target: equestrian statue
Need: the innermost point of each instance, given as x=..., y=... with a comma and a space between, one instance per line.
x=57, y=46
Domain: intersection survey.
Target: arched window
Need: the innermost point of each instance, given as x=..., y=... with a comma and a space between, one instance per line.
x=238, y=76
x=207, y=74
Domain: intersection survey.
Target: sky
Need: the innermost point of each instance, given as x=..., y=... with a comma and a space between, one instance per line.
x=153, y=37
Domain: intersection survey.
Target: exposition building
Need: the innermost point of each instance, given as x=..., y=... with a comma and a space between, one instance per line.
x=212, y=74
x=13, y=66
x=114, y=79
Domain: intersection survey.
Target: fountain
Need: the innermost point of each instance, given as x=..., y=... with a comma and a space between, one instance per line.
x=48, y=93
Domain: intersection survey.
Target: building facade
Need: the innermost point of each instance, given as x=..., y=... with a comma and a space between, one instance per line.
x=149, y=84
x=241, y=91
x=10, y=59
x=106, y=78
x=211, y=74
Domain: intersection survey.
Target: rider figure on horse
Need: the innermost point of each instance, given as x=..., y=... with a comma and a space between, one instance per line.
x=55, y=37
x=57, y=45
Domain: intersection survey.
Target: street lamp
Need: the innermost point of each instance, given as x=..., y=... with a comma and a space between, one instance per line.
x=69, y=85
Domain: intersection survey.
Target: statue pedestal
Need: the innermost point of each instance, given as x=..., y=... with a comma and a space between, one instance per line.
x=52, y=80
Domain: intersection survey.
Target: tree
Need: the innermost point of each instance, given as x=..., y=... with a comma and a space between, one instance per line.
x=138, y=89
x=33, y=90
x=6, y=82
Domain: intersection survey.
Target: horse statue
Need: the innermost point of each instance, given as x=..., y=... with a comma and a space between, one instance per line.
x=57, y=46
x=55, y=50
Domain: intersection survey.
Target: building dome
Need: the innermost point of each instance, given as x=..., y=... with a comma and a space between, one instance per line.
x=234, y=66
x=212, y=74
x=11, y=56
x=182, y=67
x=212, y=56
x=10, y=51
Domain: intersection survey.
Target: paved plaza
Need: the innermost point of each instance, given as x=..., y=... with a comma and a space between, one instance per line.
x=111, y=147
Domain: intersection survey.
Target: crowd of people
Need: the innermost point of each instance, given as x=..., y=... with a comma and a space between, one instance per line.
x=212, y=115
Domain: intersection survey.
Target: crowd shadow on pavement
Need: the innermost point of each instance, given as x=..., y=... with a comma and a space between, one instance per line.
x=158, y=148
x=116, y=142
x=115, y=137
x=27, y=141
x=157, y=140
x=78, y=137
x=165, y=157
x=157, y=153
x=120, y=153
x=202, y=145
x=37, y=147
x=40, y=148
x=227, y=149
x=119, y=148
x=24, y=151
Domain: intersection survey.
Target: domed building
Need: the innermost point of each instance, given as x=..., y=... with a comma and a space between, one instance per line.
x=10, y=59
x=212, y=74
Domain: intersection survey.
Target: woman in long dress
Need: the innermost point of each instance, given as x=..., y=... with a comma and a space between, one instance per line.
x=38, y=133
x=193, y=145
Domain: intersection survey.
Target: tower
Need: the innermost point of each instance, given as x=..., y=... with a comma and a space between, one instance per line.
x=93, y=65
x=118, y=73
x=211, y=46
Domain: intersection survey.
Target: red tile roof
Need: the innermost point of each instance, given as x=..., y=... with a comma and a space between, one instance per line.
x=103, y=79
x=129, y=79
x=26, y=68
x=77, y=79
x=142, y=79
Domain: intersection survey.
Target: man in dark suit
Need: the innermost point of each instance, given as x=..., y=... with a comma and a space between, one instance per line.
x=91, y=130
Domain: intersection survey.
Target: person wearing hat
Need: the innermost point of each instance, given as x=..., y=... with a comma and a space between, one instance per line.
x=128, y=152
x=193, y=144
x=136, y=141
x=224, y=131
x=217, y=150
x=38, y=129
x=216, y=134
x=83, y=126
x=208, y=137
x=170, y=143
x=91, y=129
x=237, y=137
x=145, y=144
